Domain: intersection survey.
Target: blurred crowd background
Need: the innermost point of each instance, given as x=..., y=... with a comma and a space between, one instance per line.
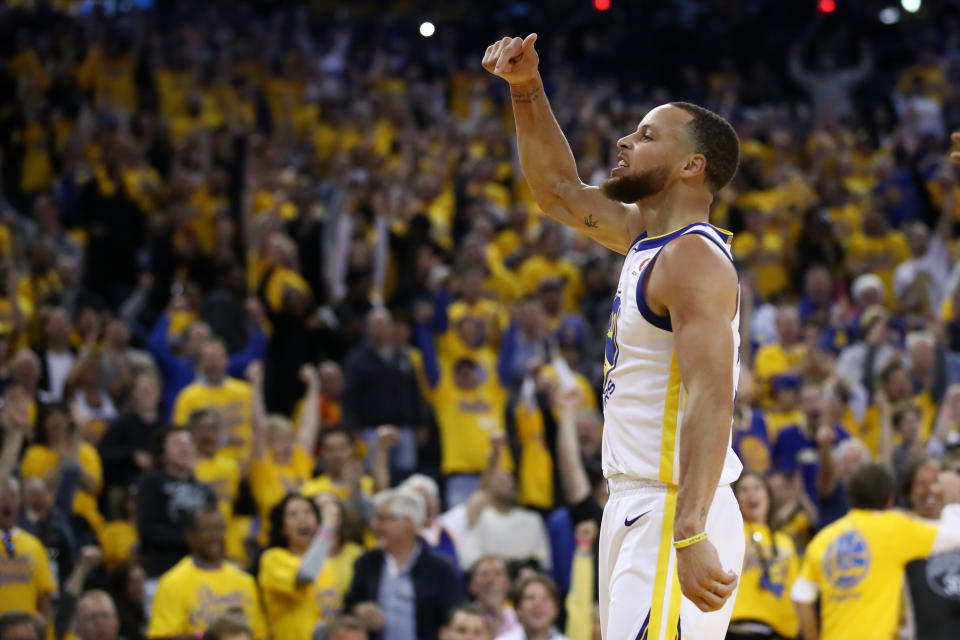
x=273, y=291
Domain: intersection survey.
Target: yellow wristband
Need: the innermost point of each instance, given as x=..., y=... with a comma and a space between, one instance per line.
x=688, y=542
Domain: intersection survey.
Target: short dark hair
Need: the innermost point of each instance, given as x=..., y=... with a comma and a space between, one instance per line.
x=871, y=486
x=202, y=414
x=349, y=623
x=540, y=578
x=901, y=411
x=470, y=609
x=191, y=517
x=333, y=431
x=227, y=625
x=12, y=619
x=717, y=140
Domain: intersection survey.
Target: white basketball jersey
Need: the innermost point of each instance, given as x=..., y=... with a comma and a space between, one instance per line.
x=643, y=395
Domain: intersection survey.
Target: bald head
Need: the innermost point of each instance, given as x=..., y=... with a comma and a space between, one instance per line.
x=96, y=617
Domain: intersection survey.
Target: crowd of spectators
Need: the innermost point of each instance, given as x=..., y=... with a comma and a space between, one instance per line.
x=287, y=348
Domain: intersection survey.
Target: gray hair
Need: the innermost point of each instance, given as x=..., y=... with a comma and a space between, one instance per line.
x=841, y=450
x=419, y=481
x=916, y=337
x=404, y=503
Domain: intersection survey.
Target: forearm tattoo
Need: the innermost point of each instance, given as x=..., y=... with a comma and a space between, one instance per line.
x=590, y=222
x=526, y=97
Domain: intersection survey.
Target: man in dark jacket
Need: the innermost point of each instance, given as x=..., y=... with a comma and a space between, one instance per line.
x=381, y=388
x=166, y=497
x=403, y=590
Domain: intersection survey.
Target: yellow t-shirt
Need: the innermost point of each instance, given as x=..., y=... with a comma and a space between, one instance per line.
x=292, y=610
x=773, y=359
x=222, y=473
x=325, y=484
x=467, y=420
x=535, y=482
x=270, y=481
x=766, y=598
x=870, y=428
x=881, y=254
x=537, y=268
x=233, y=400
x=189, y=599
x=26, y=576
x=858, y=563
x=118, y=539
x=766, y=260
x=777, y=421
x=40, y=460
x=341, y=565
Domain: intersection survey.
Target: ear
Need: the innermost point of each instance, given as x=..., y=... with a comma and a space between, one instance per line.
x=695, y=164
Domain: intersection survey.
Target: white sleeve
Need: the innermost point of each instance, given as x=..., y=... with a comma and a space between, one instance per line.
x=804, y=591
x=948, y=532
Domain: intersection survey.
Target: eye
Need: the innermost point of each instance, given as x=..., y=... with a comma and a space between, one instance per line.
x=646, y=136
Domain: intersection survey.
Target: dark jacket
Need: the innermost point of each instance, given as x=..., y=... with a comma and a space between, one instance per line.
x=381, y=391
x=163, y=503
x=436, y=588
x=127, y=434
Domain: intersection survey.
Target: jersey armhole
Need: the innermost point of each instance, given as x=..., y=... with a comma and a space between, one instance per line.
x=661, y=322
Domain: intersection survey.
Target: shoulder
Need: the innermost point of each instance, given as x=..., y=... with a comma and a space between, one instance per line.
x=237, y=385
x=241, y=576
x=179, y=572
x=696, y=256
x=27, y=542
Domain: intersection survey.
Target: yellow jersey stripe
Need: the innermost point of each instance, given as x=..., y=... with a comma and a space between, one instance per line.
x=663, y=574
x=674, y=616
x=671, y=406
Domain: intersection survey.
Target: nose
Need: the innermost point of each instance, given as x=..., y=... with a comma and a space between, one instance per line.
x=623, y=143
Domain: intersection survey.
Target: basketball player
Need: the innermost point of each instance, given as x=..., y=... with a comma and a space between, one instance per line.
x=672, y=524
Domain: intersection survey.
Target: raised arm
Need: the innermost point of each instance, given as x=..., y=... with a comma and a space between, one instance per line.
x=259, y=446
x=545, y=157
x=695, y=283
x=573, y=477
x=309, y=425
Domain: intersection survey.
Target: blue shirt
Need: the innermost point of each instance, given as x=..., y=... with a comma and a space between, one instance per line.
x=794, y=450
x=562, y=546
x=752, y=445
x=397, y=598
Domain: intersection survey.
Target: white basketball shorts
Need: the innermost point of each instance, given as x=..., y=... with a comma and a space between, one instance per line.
x=640, y=595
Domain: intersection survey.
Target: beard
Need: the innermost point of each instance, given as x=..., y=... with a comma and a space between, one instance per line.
x=636, y=186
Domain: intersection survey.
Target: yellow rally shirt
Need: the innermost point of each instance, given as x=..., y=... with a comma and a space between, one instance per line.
x=857, y=564
x=294, y=610
x=26, y=575
x=189, y=599
x=769, y=568
x=232, y=400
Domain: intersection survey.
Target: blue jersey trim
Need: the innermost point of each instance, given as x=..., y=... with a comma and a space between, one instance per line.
x=660, y=322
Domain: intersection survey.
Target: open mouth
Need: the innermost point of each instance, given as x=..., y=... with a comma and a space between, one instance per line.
x=305, y=531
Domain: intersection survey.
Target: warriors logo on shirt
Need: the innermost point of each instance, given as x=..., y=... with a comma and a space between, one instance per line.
x=943, y=574
x=847, y=560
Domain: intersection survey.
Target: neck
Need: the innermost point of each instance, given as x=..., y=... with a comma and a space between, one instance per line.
x=501, y=505
x=298, y=547
x=178, y=472
x=536, y=634
x=147, y=415
x=674, y=208
x=207, y=453
x=207, y=563
x=401, y=551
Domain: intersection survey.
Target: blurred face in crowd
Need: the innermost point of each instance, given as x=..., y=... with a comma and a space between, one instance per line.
x=551, y=244
x=338, y=451
x=348, y=634
x=848, y=458
x=919, y=238
x=788, y=325
x=282, y=439
x=179, y=453
x=551, y=298
x=490, y=582
x=197, y=335
x=753, y=498
x=924, y=496
x=205, y=432
x=391, y=531
x=537, y=610
x=503, y=487
x=898, y=386
x=530, y=316
x=817, y=285
x=331, y=379
x=649, y=155
x=471, y=330
x=36, y=498
x=96, y=618
x=465, y=375
x=25, y=631
x=9, y=503
x=136, y=580
x=58, y=328
x=146, y=393
x=214, y=362
x=910, y=423
x=299, y=523
x=56, y=426
x=379, y=328
x=46, y=213
x=89, y=372
x=781, y=488
x=467, y=626
x=922, y=357
x=207, y=536
x=812, y=404
x=117, y=333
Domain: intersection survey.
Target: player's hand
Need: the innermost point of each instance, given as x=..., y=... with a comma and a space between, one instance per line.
x=702, y=579
x=513, y=59
x=955, y=155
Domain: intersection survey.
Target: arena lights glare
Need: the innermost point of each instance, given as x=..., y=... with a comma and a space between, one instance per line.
x=427, y=29
x=890, y=15
x=826, y=6
x=911, y=6
x=601, y=5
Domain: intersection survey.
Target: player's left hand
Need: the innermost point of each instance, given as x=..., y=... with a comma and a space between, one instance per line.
x=702, y=579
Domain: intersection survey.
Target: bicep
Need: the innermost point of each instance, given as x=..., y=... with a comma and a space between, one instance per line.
x=585, y=209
